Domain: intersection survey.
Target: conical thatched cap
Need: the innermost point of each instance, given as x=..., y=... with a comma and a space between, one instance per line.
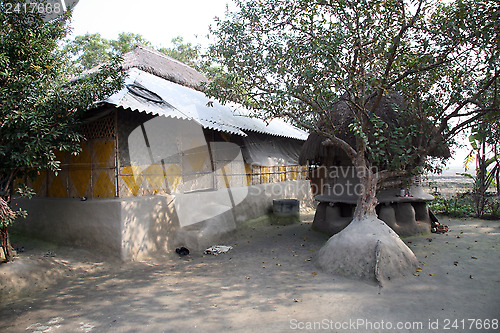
x=161, y=65
x=312, y=149
x=390, y=110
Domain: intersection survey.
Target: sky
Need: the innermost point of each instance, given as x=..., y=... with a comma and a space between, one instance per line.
x=159, y=21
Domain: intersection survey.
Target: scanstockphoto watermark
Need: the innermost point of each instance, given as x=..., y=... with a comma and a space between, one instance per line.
x=47, y=10
x=346, y=188
x=338, y=180
x=214, y=173
x=336, y=171
x=356, y=325
x=360, y=324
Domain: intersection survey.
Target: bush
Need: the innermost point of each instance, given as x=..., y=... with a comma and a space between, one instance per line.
x=459, y=205
x=464, y=205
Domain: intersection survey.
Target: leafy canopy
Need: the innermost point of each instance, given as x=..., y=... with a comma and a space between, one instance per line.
x=303, y=59
x=184, y=52
x=90, y=50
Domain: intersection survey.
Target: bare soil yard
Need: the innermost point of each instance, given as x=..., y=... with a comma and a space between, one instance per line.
x=268, y=282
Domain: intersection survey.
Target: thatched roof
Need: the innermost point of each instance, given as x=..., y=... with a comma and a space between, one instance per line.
x=389, y=110
x=161, y=65
x=313, y=149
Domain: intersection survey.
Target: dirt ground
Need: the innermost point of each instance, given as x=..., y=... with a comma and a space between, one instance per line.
x=268, y=282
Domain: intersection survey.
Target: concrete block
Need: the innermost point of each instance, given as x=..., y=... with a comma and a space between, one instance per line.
x=285, y=211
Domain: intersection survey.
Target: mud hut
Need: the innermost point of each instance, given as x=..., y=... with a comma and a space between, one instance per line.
x=402, y=201
x=163, y=166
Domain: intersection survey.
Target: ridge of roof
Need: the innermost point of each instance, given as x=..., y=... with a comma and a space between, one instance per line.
x=159, y=64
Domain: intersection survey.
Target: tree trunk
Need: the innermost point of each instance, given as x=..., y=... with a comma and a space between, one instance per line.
x=483, y=172
x=497, y=175
x=5, y=244
x=367, y=201
x=367, y=248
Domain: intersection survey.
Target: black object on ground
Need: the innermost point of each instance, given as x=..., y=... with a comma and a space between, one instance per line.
x=182, y=251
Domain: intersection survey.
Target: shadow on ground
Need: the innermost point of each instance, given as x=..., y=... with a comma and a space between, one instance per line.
x=269, y=282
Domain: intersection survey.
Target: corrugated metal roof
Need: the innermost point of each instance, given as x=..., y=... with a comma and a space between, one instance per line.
x=277, y=127
x=185, y=103
x=127, y=100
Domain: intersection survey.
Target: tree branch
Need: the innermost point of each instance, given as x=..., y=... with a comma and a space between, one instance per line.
x=392, y=54
x=386, y=174
x=334, y=141
x=417, y=70
x=445, y=120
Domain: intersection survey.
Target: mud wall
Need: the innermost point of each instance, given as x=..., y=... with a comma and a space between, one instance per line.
x=140, y=227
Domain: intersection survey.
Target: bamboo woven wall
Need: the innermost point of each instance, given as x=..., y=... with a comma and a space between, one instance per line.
x=170, y=178
x=99, y=171
x=91, y=173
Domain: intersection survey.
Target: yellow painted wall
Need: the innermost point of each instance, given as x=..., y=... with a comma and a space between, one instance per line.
x=89, y=174
x=149, y=179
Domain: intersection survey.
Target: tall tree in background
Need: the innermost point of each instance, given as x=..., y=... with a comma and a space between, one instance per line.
x=485, y=152
x=184, y=52
x=485, y=135
x=39, y=109
x=126, y=42
x=302, y=58
x=90, y=50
